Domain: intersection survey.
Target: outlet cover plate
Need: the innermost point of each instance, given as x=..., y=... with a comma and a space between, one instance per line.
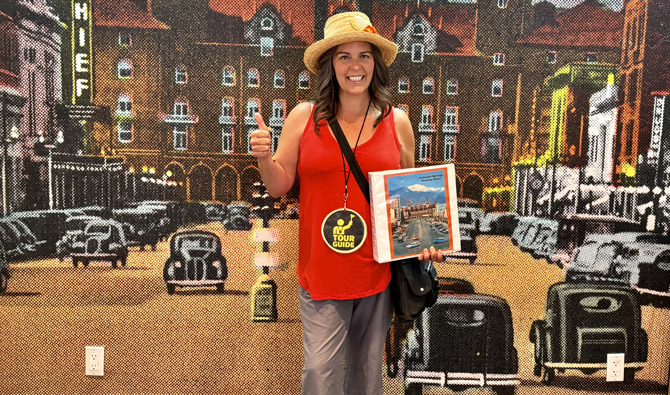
x=615, y=367
x=95, y=361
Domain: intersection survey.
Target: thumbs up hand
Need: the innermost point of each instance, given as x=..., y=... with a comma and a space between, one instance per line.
x=260, y=140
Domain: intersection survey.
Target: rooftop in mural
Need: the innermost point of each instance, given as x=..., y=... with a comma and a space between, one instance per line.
x=586, y=25
x=456, y=24
x=297, y=13
x=124, y=13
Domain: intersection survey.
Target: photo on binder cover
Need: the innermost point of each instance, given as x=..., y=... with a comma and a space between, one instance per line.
x=413, y=209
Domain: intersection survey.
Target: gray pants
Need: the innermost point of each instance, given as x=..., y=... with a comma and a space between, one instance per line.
x=343, y=342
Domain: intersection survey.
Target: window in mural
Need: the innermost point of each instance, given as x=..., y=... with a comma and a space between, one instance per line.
x=124, y=69
x=267, y=24
x=491, y=142
x=502, y=3
x=253, y=78
x=404, y=107
x=449, y=147
x=424, y=148
x=179, y=136
x=125, y=39
x=124, y=105
x=125, y=131
x=180, y=75
x=279, y=79
x=303, y=80
x=552, y=57
x=428, y=86
x=228, y=76
x=499, y=59
x=497, y=88
x=403, y=85
x=417, y=52
x=267, y=46
x=452, y=87
x=227, y=139
x=180, y=108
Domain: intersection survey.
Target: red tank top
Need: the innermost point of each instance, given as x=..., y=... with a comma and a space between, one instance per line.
x=324, y=273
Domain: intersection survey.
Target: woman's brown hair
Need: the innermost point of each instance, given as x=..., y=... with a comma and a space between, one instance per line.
x=325, y=96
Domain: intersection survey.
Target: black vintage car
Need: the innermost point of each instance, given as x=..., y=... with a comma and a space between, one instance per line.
x=237, y=216
x=584, y=323
x=47, y=225
x=103, y=240
x=573, y=229
x=195, y=261
x=140, y=225
x=398, y=329
x=74, y=232
x=18, y=247
x=464, y=340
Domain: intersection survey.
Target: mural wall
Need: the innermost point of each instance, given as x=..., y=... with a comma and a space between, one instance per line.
x=133, y=217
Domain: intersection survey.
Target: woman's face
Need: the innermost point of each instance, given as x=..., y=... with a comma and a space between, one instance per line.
x=353, y=65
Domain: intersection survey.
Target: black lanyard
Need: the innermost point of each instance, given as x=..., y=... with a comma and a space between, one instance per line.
x=344, y=168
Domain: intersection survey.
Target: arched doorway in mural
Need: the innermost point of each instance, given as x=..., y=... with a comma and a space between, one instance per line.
x=226, y=185
x=458, y=187
x=174, y=172
x=250, y=175
x=200, y=183
x=473, y=187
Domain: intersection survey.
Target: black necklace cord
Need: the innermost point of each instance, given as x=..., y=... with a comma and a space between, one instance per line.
x=344, y=168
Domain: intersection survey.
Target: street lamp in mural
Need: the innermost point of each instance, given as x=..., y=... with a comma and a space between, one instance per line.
x=9, y=139
x=59, y=140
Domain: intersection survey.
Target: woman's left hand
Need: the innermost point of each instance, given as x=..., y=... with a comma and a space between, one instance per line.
x=432, y=255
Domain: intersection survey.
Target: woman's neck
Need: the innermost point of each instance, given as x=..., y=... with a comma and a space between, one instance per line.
x=353, y=108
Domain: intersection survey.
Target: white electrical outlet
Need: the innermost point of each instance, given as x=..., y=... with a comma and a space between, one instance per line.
x=95, y=361
x=615, y=367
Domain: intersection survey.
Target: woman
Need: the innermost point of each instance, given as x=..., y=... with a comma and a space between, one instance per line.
x=345, y=305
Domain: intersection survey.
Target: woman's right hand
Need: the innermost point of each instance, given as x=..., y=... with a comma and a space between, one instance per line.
x=260, y=140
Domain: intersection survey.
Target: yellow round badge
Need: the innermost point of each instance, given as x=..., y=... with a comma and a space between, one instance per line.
x=344, y=230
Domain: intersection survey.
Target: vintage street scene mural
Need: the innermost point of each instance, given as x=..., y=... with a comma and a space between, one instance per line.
x=134, y=219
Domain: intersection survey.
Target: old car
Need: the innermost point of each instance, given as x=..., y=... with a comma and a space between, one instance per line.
x=646, y=263
x=584, y=323
x=195, y=261
x=4, y=271
x=18, y=248
x=499, y=223
x=520, y=229
x=48, y=225
x=140, y=226
x=39, y=227
x=74, y=231
x=573, y=229
x=464, y=340
x=632, y=258
x=594, y=262
x=398, y=329
x=103, y=240
x=237, y=216
x=544, y=244
x=469, y=219
x=28, y=238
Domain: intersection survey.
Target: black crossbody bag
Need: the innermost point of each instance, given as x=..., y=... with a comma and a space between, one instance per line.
x=414, y=283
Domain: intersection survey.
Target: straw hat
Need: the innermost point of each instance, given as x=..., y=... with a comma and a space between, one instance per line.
x=348, y=27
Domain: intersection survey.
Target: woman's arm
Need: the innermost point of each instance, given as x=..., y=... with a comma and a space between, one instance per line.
x=406, y=138
x=278, y=173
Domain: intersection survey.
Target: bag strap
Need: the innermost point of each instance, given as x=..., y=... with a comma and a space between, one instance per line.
x=349, y=156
